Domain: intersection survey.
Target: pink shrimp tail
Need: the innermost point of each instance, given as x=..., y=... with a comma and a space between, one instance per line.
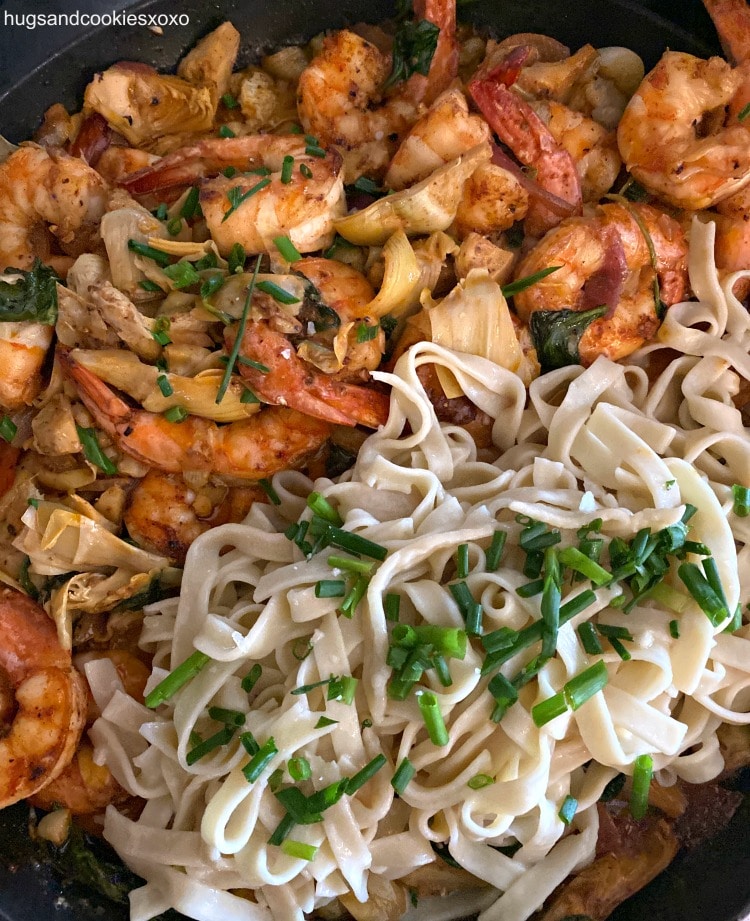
x=444, y=66
x=105, y=406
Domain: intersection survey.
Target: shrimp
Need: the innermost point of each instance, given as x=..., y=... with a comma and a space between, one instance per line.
x=339, y=94
x=674, y=136
x=274, y=439
x=605, y=260
x=518, y=126
x=443, y=133
x=44, y=699
x=165, y=515
x=303, y=209
x=41, y=191
x=291, y=381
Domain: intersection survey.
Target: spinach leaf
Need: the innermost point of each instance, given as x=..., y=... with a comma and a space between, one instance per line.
x=557, y=334
x=413, y=49
x=91, y=864
x=314, y=310
x=33, y=297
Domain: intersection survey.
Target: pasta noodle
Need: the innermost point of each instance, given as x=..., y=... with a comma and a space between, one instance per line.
x=602, y=442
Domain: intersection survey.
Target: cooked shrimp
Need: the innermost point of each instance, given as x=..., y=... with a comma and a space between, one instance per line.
x=592, y=147
x=518, y=126
x=347, y=292
x=605, y=260
x=46, y=716
x=492, y=200
x=117, y=163
x=291, y=381
x=674, y=136
x=40, y=191
x=274, y=439
x=443, y=133
x=303, y=209
x=43, y=190
x=165, y=515
x=339, y=94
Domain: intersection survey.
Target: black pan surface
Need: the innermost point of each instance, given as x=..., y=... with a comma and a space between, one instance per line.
x=39, y=68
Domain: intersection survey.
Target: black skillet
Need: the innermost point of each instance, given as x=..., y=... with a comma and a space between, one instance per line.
x=709, y=884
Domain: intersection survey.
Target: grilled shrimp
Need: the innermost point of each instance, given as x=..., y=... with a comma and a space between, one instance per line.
x=674, y=135
x=339, y=94
x=165, y=515
x=42, y=699
x=443, y=133
x=303, y=209
x=524, y=132
x=275, y=439
x=41, y=192
x=605, y=260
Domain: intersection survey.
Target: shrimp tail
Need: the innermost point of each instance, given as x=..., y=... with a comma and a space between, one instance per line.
x=109, y=410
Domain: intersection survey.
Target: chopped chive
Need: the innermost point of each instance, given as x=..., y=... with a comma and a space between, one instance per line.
x=299, y=849
x=176, y=679
x=330, y=588
x=618, y=647
x=191, y=207
x=589, y=639
x=282, y=830
x=302, y=648
x=741, y=494
x=299, y=769
x=305, y=171
x=24, y=580
x=325, y=721
x=674, y=629
x=530, y=589
x=313, y=151
x=643, y=769
x=448, y=641
x=306, y=688
x=229, y=172
x=690, y=510
x=34, y=503
x=441, y=670
x=367, y=333
x=495, y=551
x=230, y=717
x=236, y=260
x=355, y=543
x=547, y=710
x=349, y=564
x=287, y=166
x=349, y=604
x=160, y=331
x=143, y=249
x=580, y=562
x=287, y=249
x=182, y=274
x=743, y=113
x=404, y=773
x=474, y=619
x=462, y=596
x=584, y=685
x=505, y=694
x=703, y=593
x=222, y=737
x=367, y=773
x=550, y=604
x=258, y=171
x=433, y=718
x=367, y=186
x=251, y=363
x=248, y=742
x=532, y=567
x=462, y=561
x=277, y=292
x=568, y=809
x=267, y=487
x=8, y=429
x=522, y=284
x=229, y=101
x=328, y=796
x=151, y=286
x=162, y=212
x=260, y=760
x=612, y=631
x=92, y=450
x=166, y=388
x=238, y=338
x=174, y=226
x=343, y=689
x=251, y=678
x=226, y=132
x=210, y=285
x=311, y=140
x=323, y=508
x=236, y=196
x=479, y=781
x=176, y=414
x=391, y=606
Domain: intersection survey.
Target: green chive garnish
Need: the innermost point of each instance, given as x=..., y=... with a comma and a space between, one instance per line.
x=391, y=606
x=184, y=672
x=643, y=770
x=176, y=414
x=349, y=604
x=251, y=678
x=226, y=132
x=92, y=450
x=286, y=169
x=367, y=773
x=236, y=260
x=330, y=588
x=568, y=809
x=260, y=760
x=267, y=487
x=404, y=773
x=305, y=171
x=348, y=564
x=277, y=292
x=367, y=333
x=191, y=206
x=222, y=737
x=589, y=639
x=299, y=769
x=495, y=551
x=323, y=508
x=462, y=561
x=299, y=849
x=433, y=718
x=166, y=388
x=583, y=686
x=8, y=429
x=174, y=226
x=150, y=286
x=211, y=285
x=143, y=249
x=479, y=781
x=674, y=629
x=182, y=274
x=547, y=710
x=229, y=101
x=282, y=830
x=236, y=196
x=703, y=594
x=240, y=334
x=523, y=283
x=230, y=717
x=287, y=249
x=580, y=562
